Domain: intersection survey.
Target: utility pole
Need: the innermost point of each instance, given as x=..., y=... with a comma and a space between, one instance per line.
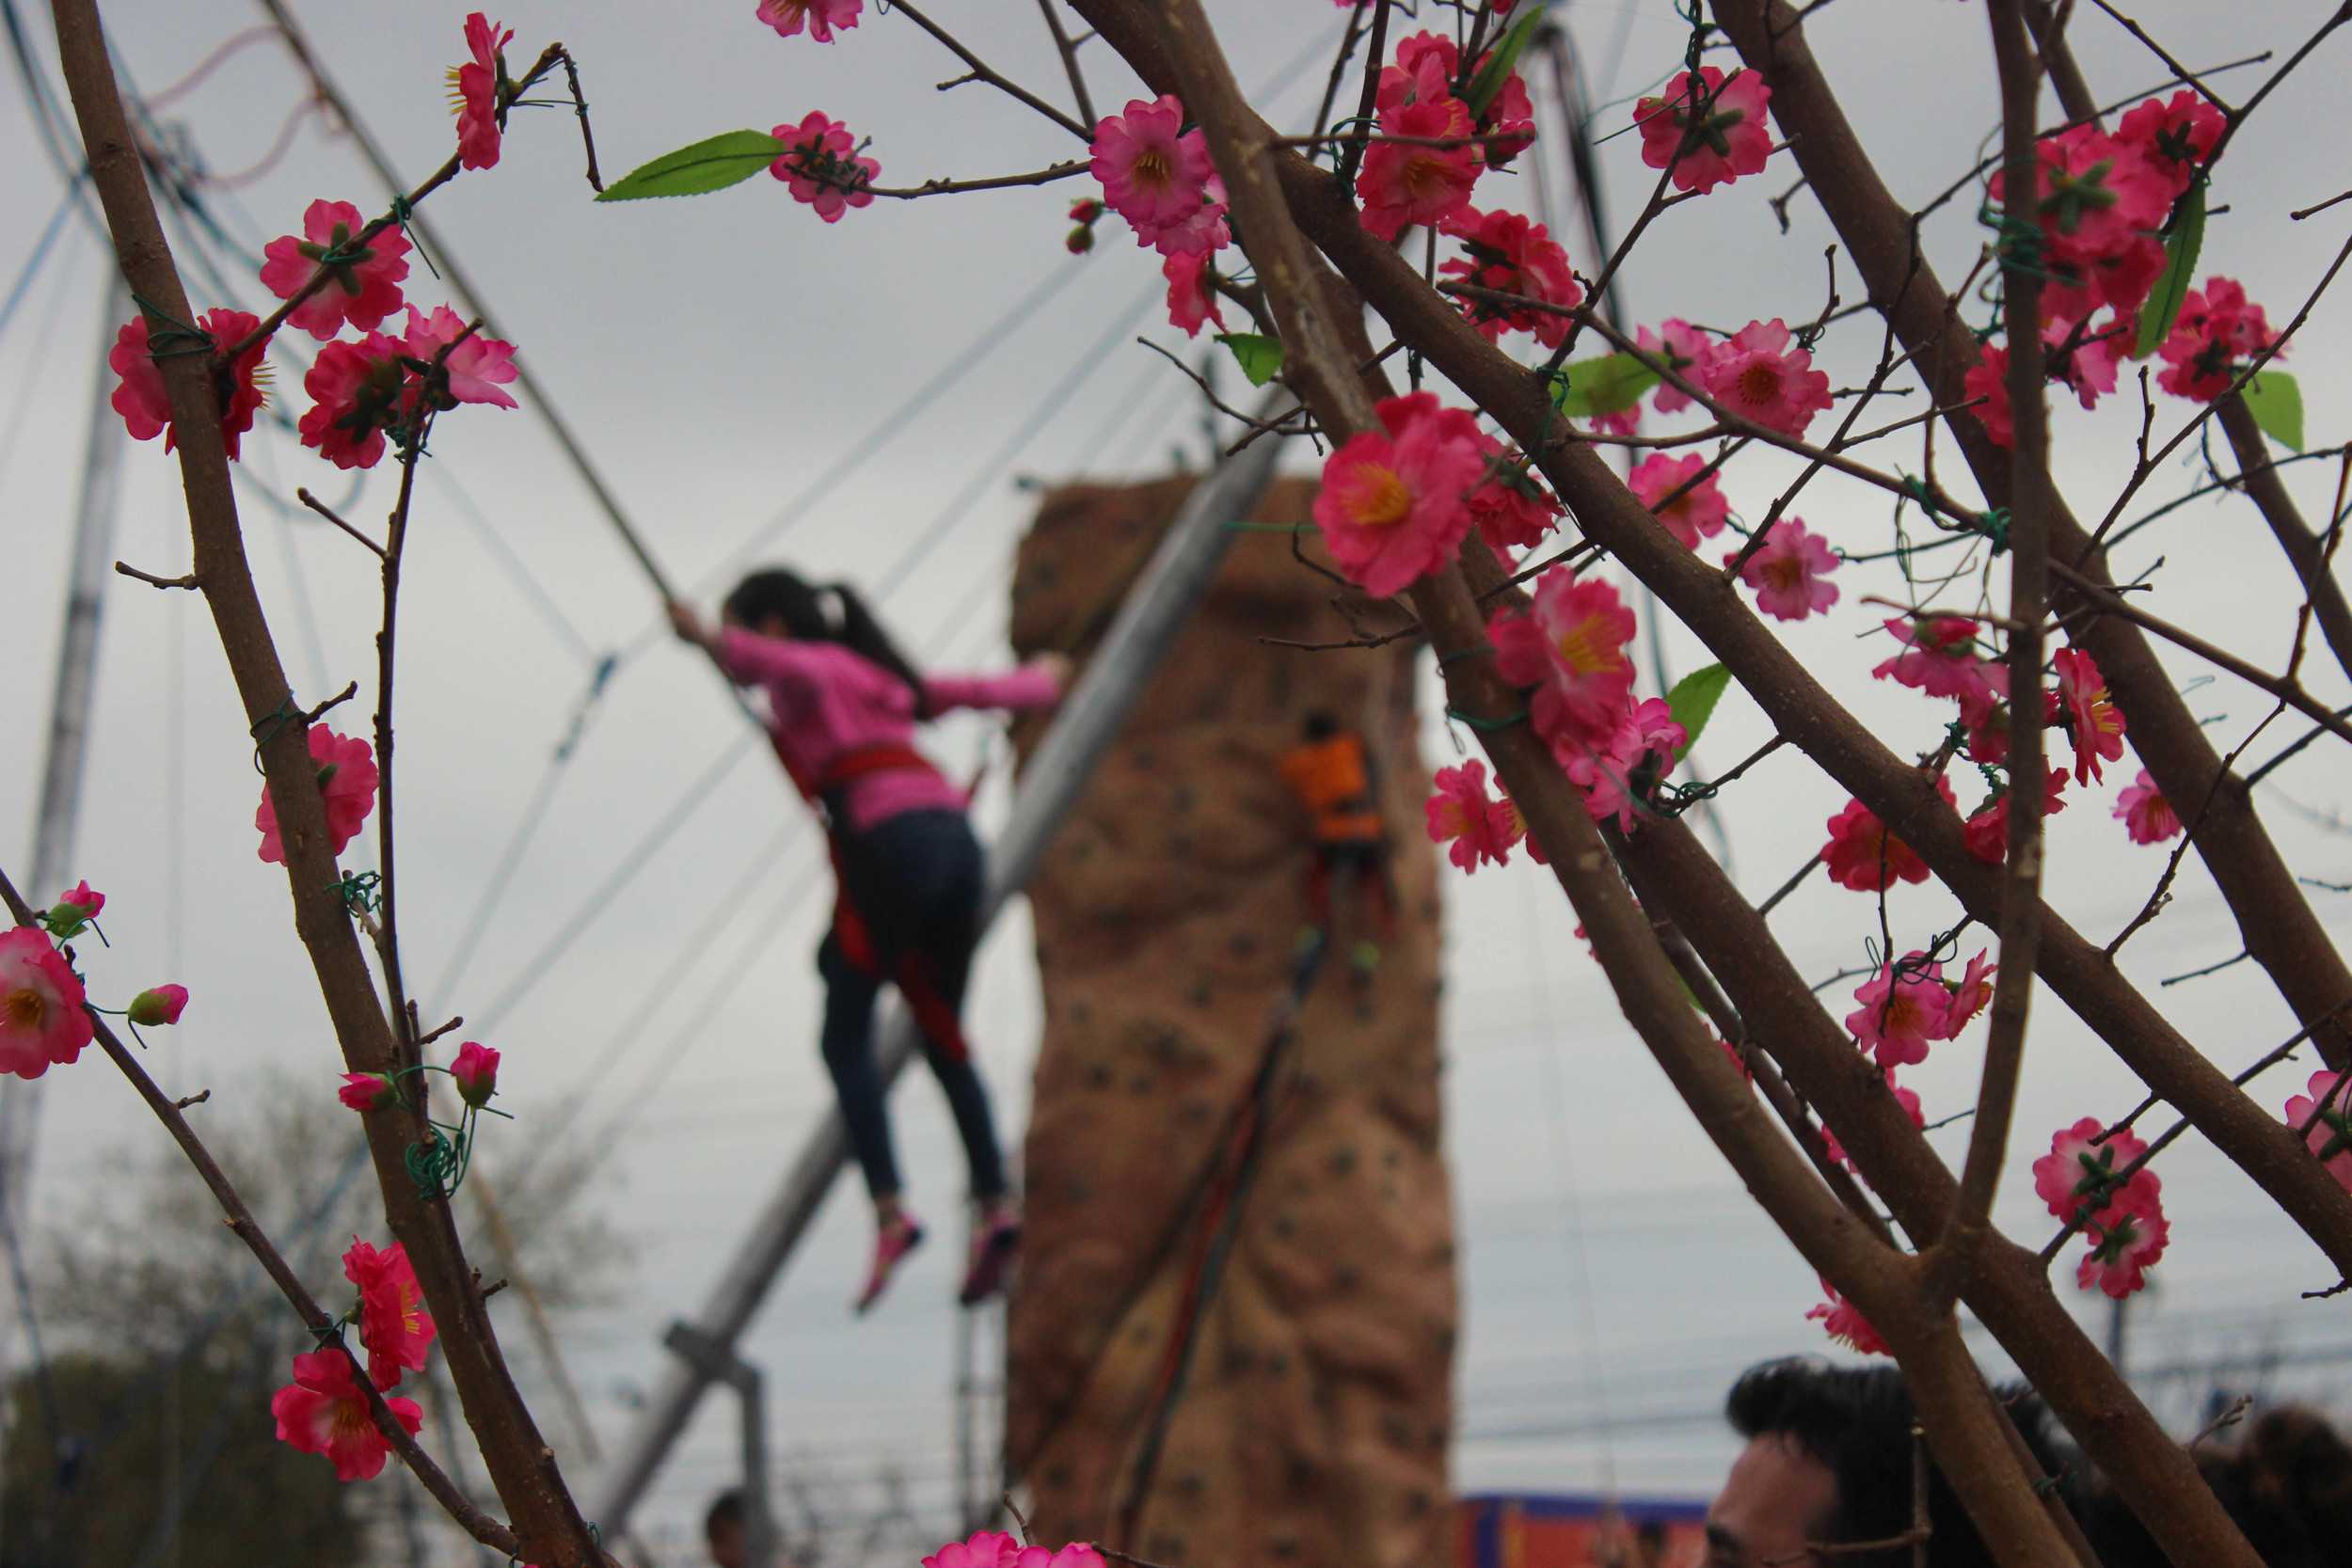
x=1147, y=624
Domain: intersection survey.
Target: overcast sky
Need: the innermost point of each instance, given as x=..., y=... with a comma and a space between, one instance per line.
x=718, y=356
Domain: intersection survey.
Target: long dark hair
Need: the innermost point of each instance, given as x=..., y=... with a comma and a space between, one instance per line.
x=774, y=594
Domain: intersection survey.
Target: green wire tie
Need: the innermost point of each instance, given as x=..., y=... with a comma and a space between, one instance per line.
x=2017, y=243
x=360, y=892
x=197, y=339
x=1993, y=525
x=1480, y=722
x=436, y=1165
x=265, y=728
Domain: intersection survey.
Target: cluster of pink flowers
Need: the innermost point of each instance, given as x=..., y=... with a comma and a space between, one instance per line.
x=2217, y=332
x=1906, y=1007
x=1403, y=181
x=1481, y=828
x=2323, y=1115
x=822, y=166
x=1681, y=494
x=347, y=778
x=1939, y=658
x=1863, y=855
x=45, y=1013
x=1709, y=129
x=363, y=390
x=1159, y=177
x=326, y=1410
x=1510, y=254
x=2123, y=1219
x=992, y=1548
x=1511, y=509
x=1394, y=502
x=473, y=91
x=1986, y=833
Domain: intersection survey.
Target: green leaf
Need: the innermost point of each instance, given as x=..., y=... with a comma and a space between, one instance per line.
x=1609, y=384
x=710, y=164
x=2277, y=405
x=1694, y=700
x=1501, y=62
x=1259, y=356
x=2180, y=246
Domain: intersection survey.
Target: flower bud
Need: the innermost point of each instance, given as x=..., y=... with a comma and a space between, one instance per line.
x=159, y=1005
x=1081, y=240
x=366, y=1091
x=476, y=1071
x=1085, y=211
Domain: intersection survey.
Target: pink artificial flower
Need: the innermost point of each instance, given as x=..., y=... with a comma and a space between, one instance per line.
x=1970, y=995
x=1402, y=184
x=1154, y=173
x=2329, y=1095
x=1907, y=1099
x=364, y=285
x=988, y=1548
x=2098, y=205
x=473, y=369
x=1901, y=1011
x=1505, y=252
x=74, y=909
x=158, y=1004
x=1757, y=376
x=1191, y=299
x=1076, y=1555
x=1480, y=827
x=323, y=1410
x=1570, y=647
x=1513, y=510
x=2217, y=332
x=1697, y=512
x=1988, y=378
x=366, y=1091
x=821, y=165
x=44, y=1019
x=820, y=16
x=1861, y=855
x=1427, y=66
x=1392, y=505
x=1845, y=1323
x=2078, y=1174
x=394, y=1326
x=1788, y=572
x=2146, y=814
x=1709, y=135
x=1678, y=346
x=2093, y=722
x=2127, y=1237
x=2175, y=137
x=473, y=91
x=1940, y=659
x=1987, y=833
x=1620, y=778
x=358, y=390
x=146, y=409
x=347, y=778
x=2090, y=364
x=476, y=1070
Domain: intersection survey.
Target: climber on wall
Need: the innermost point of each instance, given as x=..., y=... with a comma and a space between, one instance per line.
x=1332, y=777
x=843, y=703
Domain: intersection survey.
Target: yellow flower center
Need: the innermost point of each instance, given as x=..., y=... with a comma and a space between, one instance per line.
x=1152, y=168
x=1424, y=176
x=351, y=1418
x=1381, y=499
x=1585, y=648
x=24, y=1008
x=1785, y=572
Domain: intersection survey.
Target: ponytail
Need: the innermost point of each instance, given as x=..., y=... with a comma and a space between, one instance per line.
x=863, y=634
x=777, y=594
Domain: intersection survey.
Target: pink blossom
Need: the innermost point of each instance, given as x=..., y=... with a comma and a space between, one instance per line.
x=1620, y=778
x=989, y=1548
x=2217, y=332
x=1154, y=173
x=2097, y=203
x=1907, y=1099
x=476, y=1070
x=2093, y=722
x=1845, y=1323
x=2146, y=814
x=2174, y=136
x=474, y=93
x=347, y=779
x=1512, y=509
x=2331, y=1135
x=1076, y=1555
x=1970, y=995
x=1758, y=375
x=2078, y=1174
x=473, y=369
x=145, y=407
x=1902, y=1008
x=1570, y=647
x=1697, y=512
x=1861, y=855
x=2127, y=1237
x=820, y=16
x=1940, y=659
x=1505, y=252
x=358, y=390
x=1678, y=346
x=366, y=1091
x=1391, y=507
x=394, y=1326
x=364, y=283
x=1402, y=184
x=821, y=165
x=1788, y=572
x=1709, y=135
x=323, y=1410
x=1480, y=827
x=1427, y=66
x=1191, y=299
x=44, y=1020
x=2090, y=365
x=1988, y=378
x=158, y=1004
x=1986, y=833
x=74, y=909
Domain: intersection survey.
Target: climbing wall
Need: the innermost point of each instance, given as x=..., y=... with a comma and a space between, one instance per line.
x=1312, y=1421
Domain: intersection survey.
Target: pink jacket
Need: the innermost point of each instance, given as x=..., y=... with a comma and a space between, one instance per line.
x=824, y=701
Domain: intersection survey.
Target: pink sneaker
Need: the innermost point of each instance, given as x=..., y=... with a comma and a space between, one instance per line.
x=992, y=1247
x=892, y=1243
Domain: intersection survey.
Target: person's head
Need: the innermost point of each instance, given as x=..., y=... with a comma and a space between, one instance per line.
x=2287, y=1484
x=780, y=603
x=724, y=1528
x=1319, y=725
x=1828, y=1459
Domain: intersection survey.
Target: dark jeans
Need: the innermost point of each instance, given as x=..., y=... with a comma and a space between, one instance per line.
x=917, y=880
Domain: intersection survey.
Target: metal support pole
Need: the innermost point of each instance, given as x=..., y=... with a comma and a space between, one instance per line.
x=1164, y=596
x=720, y=1364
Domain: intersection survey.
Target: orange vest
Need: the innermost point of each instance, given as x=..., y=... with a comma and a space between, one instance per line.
x=1330, y=779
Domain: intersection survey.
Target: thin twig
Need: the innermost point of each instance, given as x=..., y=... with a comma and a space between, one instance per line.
x=186, y=580
x=329, y=513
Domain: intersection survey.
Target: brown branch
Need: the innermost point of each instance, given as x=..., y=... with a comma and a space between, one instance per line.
x=2304, y=549
x=982, y=73
x=995, y=182
x=1068, y=51
x=187, y=580
x=329, y=513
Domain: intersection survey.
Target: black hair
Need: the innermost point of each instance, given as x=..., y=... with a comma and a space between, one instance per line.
x=1856, y=1421
x=726, y=1508
x=2287, y=1484
x=774, y=594
x=1320, y=725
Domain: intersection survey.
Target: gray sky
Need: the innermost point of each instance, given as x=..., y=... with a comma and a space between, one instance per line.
x=717, y=354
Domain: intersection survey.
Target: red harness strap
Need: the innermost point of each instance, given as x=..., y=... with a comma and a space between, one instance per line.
x=908, y=971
